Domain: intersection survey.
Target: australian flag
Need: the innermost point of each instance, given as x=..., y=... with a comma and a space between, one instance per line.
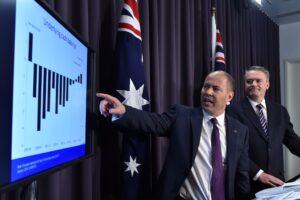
x=132, y=91
x=219, y=56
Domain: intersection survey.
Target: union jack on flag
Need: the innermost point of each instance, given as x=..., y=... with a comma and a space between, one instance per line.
x=219, y=56
x=130, y=19
x=131, y=90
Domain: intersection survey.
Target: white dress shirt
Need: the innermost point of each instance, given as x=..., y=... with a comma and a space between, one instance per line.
x=197, y=184
x=264, y=107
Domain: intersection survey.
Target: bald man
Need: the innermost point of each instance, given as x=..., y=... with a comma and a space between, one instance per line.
x=208, y=150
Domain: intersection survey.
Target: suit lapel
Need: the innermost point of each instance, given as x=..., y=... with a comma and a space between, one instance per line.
x=270, y=119
x=252, y=116
x=231, y=140
x=196, y=122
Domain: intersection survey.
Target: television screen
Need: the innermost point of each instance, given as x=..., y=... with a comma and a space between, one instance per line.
x=45, y=88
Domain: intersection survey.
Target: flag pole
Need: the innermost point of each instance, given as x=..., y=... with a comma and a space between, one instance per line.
x=213, y=37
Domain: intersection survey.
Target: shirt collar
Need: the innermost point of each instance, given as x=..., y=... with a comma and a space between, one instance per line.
x=220, y=118
x=254, y=103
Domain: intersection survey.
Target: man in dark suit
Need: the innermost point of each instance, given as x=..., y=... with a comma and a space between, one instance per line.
x=267, y=131
x=208, y=151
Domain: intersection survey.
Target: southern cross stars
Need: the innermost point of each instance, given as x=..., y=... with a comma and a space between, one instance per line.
x=132, y=166
x=134, y=97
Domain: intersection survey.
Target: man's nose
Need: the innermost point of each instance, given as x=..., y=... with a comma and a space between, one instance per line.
x=209, y=90
x=254, y=83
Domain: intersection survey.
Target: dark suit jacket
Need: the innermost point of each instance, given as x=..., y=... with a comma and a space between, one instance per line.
x=183, y=126
x=264, y=153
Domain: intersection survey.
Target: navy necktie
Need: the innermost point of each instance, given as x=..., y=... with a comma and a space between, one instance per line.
x=262, y=119
x=217, y=179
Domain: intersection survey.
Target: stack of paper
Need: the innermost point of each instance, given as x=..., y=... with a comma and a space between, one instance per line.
x=288, y=191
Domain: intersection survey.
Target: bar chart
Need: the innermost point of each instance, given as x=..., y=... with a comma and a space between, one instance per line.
x=44, y=81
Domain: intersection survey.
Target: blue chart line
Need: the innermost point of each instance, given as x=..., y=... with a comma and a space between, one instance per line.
x=42, y=79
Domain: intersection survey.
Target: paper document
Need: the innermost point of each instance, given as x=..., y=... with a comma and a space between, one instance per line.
x=288, y=191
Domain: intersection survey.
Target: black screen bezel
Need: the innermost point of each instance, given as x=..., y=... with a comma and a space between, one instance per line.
x=7, y=20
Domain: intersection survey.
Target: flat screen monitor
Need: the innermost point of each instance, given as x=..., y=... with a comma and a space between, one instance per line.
x=46, y=92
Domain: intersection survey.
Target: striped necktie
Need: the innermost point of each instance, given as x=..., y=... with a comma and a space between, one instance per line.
x=262, y=119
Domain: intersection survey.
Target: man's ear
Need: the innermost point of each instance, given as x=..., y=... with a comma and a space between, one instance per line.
x=268, y=85
x=230, y=96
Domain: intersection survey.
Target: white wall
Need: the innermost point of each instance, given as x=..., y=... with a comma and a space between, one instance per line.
x=289, y=38
x=289, y=43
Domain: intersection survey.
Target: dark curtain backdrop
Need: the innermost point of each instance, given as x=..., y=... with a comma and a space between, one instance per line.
x=176, y=49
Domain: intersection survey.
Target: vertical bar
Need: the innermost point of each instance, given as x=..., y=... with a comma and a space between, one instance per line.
x=34, y=79
x=60, y=89
x=53, y=79
x=39, y=99
x=30, y=47
x=64, y=91
x=56, y=96
x=67, y=93
x=44, y=92
x=80, y=78
x=49, y=90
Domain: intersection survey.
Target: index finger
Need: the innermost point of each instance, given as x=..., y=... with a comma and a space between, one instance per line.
x=106, y=96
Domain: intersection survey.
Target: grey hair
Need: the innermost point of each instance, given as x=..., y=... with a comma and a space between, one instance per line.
x=259, y=68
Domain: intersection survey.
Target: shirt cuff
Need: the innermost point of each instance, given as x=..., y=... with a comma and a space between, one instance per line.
x=258, y=174
x=115, y=117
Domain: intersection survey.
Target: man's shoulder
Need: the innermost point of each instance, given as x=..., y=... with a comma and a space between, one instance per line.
x=181, y=106
x=276, y=108
x=246, y=103
x=274, y=104
x=235, y=122
x=235, y=109
x=185, y=108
